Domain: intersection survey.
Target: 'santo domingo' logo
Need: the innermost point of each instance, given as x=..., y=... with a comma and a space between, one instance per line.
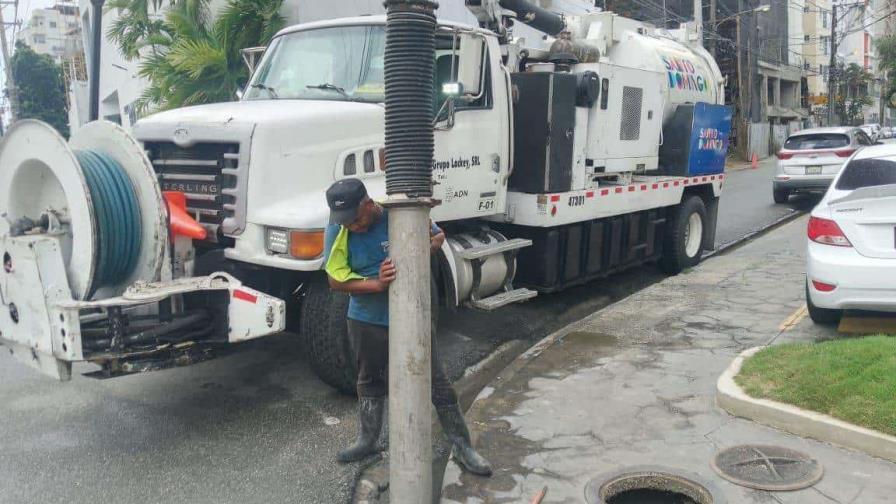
x=711, y=139
x=683, y=75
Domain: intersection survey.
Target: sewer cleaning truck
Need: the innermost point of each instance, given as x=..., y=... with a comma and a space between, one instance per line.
x=204, y=227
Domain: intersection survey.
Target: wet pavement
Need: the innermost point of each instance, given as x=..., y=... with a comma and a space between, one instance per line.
x=634, y=385
x=257, y=425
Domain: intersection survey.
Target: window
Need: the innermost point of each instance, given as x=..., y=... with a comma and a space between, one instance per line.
x=867, y=173
x=826, y=44
x=341, y=63
x=52, y=24
x=824, y=19
x=40, y=39
x=806, y=38
x=817, y=141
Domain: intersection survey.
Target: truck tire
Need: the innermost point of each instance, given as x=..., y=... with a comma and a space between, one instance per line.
x=683, y=241
x=324, y=333
x=781, y=195
x=821, y=316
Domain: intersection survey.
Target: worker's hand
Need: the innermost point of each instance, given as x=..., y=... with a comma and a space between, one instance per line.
x=435, y=242
x=387, y=273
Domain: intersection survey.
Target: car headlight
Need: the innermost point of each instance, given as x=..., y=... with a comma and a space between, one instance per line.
x=300, y=244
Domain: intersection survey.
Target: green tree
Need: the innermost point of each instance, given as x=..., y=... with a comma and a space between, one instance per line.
x=886, y=57
x=853, y=96
x=40, y=88
x=189, y=57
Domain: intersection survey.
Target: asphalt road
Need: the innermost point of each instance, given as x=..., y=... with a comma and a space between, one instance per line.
x=257, y=426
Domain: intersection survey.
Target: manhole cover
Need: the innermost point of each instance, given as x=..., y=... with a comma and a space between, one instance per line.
x=765, y=467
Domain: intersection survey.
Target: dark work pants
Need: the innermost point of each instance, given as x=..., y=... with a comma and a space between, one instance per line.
x=371, y=343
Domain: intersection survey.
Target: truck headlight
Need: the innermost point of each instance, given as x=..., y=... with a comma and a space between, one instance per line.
x=278, y=240
x=300, y=244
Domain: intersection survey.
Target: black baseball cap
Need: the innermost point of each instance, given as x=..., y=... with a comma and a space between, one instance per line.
x=344, y=197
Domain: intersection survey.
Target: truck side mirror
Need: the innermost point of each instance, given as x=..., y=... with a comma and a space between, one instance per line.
x=240, y=92
x=471, y=58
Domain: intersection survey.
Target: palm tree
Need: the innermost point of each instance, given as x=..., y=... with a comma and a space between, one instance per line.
x=188, y=57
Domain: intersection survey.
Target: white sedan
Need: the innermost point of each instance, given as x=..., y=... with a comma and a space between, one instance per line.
x=851, y=258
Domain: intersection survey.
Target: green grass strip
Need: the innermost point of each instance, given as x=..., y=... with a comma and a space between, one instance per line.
x=850, y=379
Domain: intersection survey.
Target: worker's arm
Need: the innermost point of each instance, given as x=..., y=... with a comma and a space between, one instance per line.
x=436, y=237
x=367, y=285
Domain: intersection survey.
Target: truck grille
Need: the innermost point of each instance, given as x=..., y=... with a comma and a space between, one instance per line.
x=207, y=173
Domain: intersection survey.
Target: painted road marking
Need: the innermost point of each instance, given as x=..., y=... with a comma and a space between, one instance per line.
x=794, y=318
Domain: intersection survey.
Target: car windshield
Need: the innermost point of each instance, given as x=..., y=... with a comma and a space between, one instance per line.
x=867, y=173
x=342, y=63
x=817, y=141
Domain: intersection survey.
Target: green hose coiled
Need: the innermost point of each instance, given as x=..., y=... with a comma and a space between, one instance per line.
x=117, y=213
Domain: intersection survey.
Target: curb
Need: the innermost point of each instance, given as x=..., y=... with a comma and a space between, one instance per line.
x=732, y=399
x=752, y=234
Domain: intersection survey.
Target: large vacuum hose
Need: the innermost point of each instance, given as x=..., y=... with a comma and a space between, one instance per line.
x=409, y=68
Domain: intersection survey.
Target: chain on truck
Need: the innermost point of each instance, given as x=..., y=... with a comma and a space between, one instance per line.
x=204, y=228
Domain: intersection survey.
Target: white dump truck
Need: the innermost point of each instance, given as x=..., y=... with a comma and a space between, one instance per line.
x=553, y=167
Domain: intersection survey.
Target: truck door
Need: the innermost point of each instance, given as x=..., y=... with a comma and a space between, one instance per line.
x=472, y=141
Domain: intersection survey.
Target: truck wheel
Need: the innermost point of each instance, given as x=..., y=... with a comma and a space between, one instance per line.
x=683, y=242
x=821, y=316
x=324, y=332
x=780, y=195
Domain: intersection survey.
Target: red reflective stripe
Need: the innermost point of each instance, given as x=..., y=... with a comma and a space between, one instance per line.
x=618, y=190
x=245, y=296
x=676, y=183
x=589, y=194
x=684, y=182
x=666, y=184
x=655, y=186
x=705, y=179
x=604, y=192
x=631, y=188
x=555, y=199
x=644, y=187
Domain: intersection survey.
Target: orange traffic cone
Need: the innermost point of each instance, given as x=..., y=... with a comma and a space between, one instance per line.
x=181, y=223
x=754, y=161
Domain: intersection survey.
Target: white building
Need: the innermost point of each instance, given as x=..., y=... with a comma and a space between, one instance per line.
x=858, y=21
x=54, y=31
x=816, y=54
x=120, y=86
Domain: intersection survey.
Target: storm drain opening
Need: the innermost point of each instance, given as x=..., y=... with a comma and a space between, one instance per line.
x=650, y=485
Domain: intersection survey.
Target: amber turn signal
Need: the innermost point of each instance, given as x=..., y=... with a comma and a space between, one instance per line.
x=306, y=244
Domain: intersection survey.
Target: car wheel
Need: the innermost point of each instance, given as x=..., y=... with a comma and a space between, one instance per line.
x=781, y=195
x=825, y=316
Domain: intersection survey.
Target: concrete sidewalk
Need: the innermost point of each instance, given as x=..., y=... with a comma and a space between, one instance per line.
x=634, y=385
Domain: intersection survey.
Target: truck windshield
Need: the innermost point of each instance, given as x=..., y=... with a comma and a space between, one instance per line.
x=340, y=63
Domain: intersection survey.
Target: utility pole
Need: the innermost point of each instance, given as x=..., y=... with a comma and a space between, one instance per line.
x=755, y=80
x=698, y=20
x=409, y=68
x=7, y=65
x=833, y=64
x=96, y=45
x=712, y=28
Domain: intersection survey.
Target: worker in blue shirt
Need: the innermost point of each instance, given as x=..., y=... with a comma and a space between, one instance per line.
x=357, y=262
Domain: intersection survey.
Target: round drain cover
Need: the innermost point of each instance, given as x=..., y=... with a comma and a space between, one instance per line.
x=766, y=467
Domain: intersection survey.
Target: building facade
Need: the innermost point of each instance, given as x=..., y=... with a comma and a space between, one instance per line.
x=816, y=54
x=54, y=31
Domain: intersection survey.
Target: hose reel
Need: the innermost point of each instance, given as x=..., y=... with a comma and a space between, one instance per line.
x=97, y=193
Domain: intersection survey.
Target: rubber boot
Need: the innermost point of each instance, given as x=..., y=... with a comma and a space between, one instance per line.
x=370, y=415
x=455, y=428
